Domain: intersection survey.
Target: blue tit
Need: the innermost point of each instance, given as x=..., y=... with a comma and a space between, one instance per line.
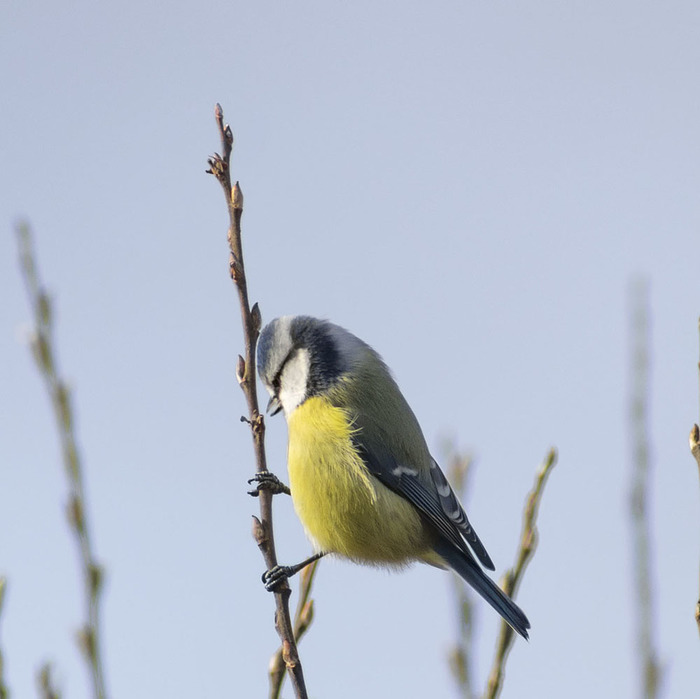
x=362, y=479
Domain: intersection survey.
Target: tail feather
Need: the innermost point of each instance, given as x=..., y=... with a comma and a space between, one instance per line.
x=469, y=569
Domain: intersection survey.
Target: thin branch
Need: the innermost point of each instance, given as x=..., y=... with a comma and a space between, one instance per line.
x=512, y=578
x=219, y=166
x=302, y=621
x=4, y=692
x=45, y=356
x=461, y=655
x=650, y=669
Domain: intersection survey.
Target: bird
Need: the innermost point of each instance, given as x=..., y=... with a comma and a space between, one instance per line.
x=362, y=480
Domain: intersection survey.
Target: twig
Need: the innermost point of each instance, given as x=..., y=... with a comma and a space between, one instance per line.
x=695, y=451
x=59, y=393
x=47, y=689
x=219, y=166
x=4, y=692
x=650, y=669
x=302, y=620
x=512, y=578
x=461, y=655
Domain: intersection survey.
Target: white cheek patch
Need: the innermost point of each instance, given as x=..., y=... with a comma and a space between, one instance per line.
x=293, y=381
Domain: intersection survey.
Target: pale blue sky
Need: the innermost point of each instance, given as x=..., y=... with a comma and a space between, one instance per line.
x=468, y=186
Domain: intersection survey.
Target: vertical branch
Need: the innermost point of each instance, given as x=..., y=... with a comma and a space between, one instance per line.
x=695, y=451
x=461, y=655
x=650, y=671
x=4, y=692
x=59, y=393
x=512, y=578
x=302, y=620
x=219, y=166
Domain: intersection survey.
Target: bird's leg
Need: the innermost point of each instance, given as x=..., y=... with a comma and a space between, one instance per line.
x=267, y=480
x=273, y=577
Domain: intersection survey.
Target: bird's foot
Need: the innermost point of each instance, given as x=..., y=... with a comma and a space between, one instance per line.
x=276, y=576
x=266, y=480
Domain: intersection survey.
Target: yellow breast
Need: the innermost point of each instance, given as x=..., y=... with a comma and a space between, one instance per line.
x=343, y=507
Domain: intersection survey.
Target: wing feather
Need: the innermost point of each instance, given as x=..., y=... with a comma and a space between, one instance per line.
x=431, y=494
x=452, y=507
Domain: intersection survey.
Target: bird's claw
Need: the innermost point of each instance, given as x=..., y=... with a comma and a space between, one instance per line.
x=276, y=576
x=267, y=480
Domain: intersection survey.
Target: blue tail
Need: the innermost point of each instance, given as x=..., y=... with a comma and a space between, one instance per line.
x=469, y=569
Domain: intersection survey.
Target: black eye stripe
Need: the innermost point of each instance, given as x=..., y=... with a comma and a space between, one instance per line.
x=277, y=381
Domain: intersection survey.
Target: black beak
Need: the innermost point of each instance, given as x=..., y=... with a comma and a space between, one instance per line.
x=273, y=406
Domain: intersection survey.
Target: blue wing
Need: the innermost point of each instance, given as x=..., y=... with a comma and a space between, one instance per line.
x=431, y=493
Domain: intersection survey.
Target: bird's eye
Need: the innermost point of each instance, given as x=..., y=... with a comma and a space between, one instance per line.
x=276, y=382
